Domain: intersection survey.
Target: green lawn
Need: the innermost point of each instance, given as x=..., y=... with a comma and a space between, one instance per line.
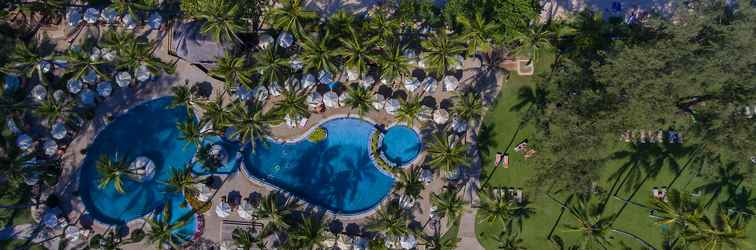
x=502, y=131
x=17, y=244
x=10, y=217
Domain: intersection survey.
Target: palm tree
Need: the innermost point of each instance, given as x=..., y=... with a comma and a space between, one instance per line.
x=477, y=32
x=594, y=227
x=448, y=204
x=182, y=96
x=742, y=203
x=317, y=54
x=495, y=207
x=164, y=233
x=468, y=106
x=383, y=27
x=409, y=182
x=446, y=155
x=16, y=163
x=216, y=114
x=181, y=181
x=139, y=53
x=509, y=240
x=340, y=23
x=270, y=65
x=292, y=17
x=728, y=179
x=393, y=64
x=310, y=234
x=247, y=238
x=221, y=20
x=679, y=212
x=446, y=241
x=440, y=52
x=532, y=41
x=251, y=123
x=190, y=132
x=359, y=98
x=293, y=104
x=390, y=220
x=276, y=208
x=233, y=70
x=79, y=63
x=721, y=233
x=131, y=7
x=409, y=110
x=357, y=52
x=25, y=59
x=51, y=110
x=112, y=171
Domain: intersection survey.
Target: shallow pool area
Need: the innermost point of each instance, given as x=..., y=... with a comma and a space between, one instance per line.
x=400, y=145
x=149, y=130
x=337, y=173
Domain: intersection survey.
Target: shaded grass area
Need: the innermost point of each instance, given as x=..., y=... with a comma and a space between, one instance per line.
x=503, y=129
x=10, y=216
x=17, y=244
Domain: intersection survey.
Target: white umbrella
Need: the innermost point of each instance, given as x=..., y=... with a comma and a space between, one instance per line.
x=129, y=21
x=39, y=93
x=264, y=41
x=450, y=83
x=87, y=96
x=295, y=63
x=411, y=84
x=50, y=147
x=426, y=113
x=392, y=105
x=143, y=73
x=204, y=192
x=274, y=89
x=378, y=101
x=95, y=54
x=285, y=39
x=58, y=95
x=440, y=116
x=104, y=88
x=409, y=53
x=460, y=60
x=314, y=99
x=44, y=66
x=429, y=84
x=342, y=99
x=91, y=15
x=352, y=75
x=108, y=54
x=223, y=210
x=74, y=85
x=123, y=79
x=408, y=242
x=109, y=15
x=155, y=20
x=459, y=125
x=144, y=168
x=50, y=220
x=367, y=82
x=24, y=141
x=325, y=77
x=308, y=81
x=90, y=76
x=331, y=99
x=59, y=130
x=72, y=233
x=73, y=16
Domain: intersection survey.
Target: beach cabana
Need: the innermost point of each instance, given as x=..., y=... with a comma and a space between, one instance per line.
x=87, y=97
x=90, y=77
x=109, y=15
x=73, y=16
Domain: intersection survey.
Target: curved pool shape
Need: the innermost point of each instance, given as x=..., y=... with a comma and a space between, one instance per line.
x=148, y=130
x=401, y=144
x=336, y=174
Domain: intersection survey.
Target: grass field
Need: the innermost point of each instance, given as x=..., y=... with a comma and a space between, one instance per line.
x=9, y=217
x=502, y=131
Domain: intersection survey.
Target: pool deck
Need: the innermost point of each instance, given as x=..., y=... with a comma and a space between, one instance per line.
x=124, y=98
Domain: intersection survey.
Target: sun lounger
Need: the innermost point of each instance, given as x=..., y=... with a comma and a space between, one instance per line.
x=506, y=161
x=497, y=159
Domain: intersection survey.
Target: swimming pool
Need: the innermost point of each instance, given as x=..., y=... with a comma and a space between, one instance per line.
x=400, y=144
x=230, y=149
x=147, y=130
x=336, y=174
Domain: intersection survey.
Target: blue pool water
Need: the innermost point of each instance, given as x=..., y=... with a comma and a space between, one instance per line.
x=231, y=149
x=336, y=173
x=400, y=144
x=148, y=130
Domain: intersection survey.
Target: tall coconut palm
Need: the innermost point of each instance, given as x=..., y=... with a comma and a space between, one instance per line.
x=251, y=122
x=276, y=208
x=532, y=41
x=117, y=41
x=233, y=70
x=409, y=182
x=679, y=212
x=446, y=241
x=80, y=62
x=216, y=114
x=221, y=20
x=51, y=110
x=468, y=106
x=310, y=234
x=495, y=208
x=139, y=53
x=271, y=66
x=508, y=240
x=448, y=204
x=340, y=23
x=742, y=203
x=440, y=52
x=360, y=99
x=390, y=220
x=393, y=65
x=164, y=234
x=293, y=104
x=25, y=59
x=132, y=7
x=409, y=110
x=594, y=227
x=182, y=97
x=317, y=54
x=16, y=163
x=478, y=33
x=445, y=154
x=247, y=238
x=181, y=181
x=190, y=132
x=728, y=178
x=292, y=17
x=112, y=171
x=383, y=27
x=720, y=233
x=356, y=52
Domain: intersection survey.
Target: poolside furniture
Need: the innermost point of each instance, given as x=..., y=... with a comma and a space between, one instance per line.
x=264, y=41
x=459, y=64
x=352, y=75
x=360, y=243
x=342, y=99
x=411, y=84
x=223, y=209
x=308, y=81
x=74, y=86
x=285, y=39
x=440, y=116
x=450, y=83
x=425, y=114
x=459, y=125
x=314, y=99
x=39, y=93
x=246, y=210
x=274, y=89
x=205, y=193
x=302, y=122
x=406, y=202
x=505, y=159
x=325, y=77
x=497, y=158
